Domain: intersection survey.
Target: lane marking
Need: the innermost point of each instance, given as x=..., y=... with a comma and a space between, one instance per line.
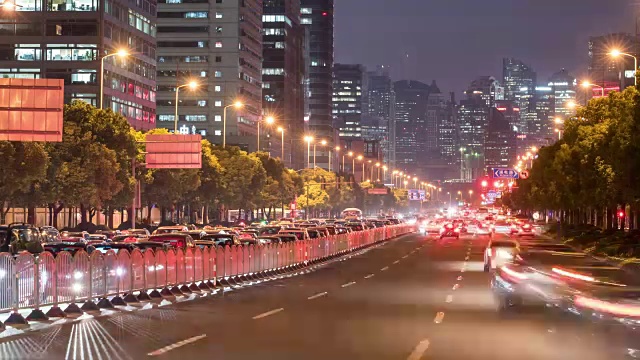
x=176, y=345
x=449, y=298
x=419, y=350
x=406, y=256
x=348, y=284
x=395, y=262
x=462, y=270
x=384, y=268
x=439, y=317
x=459, y=278
x=455, y=287
x=317, y=295
x=369, y=276
x=268, y=313
x=467, y=258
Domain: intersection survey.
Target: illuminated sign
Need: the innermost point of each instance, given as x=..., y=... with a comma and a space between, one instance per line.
x=629, y=74
x=502, y=109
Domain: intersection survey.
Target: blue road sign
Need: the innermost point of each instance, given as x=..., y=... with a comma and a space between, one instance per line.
x=505, y=173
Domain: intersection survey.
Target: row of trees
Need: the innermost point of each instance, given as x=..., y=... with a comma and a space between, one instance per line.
x=92, y=170
x=592, y=174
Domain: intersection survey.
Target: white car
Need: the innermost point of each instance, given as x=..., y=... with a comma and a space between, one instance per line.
x=483, y=229
x=500, y=252
x=427, y=227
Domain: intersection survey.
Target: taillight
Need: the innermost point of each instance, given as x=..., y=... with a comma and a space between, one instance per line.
x=605, y=306
x=526, y=226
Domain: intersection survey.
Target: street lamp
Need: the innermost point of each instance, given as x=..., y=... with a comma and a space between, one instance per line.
x=384, y=173
x=308, y=139
x=122, y=53
x=281, y=131
x=616, y=53
x=237, y=105
x=269, y=120
x=337, y=149
x=360, y=158
x=470, y=193
x=588, y=85
x=192, y=85
x=559, y=133
x=415, y=182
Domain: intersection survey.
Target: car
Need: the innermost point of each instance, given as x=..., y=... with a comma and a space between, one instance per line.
x=97, y=238
x=429, y=227
x=524, y=229
x=300, y=234
x=175, y=240
x=104, y=247
x=499, y=252
x=83, y=235
x=269, y=239
x=355, y=226
x=141, y=232
x=251, y=233
x=286, y=238
x=502, y=227
x=49, y=234
x=56, y=248
x=202, y=244
x=321, y=229
x=126, y=238
x=483, y=229
x=17, y=237
x=195, y=234
x=222, y=239
x=170, y=229
x=449, y=230
x=314, y=234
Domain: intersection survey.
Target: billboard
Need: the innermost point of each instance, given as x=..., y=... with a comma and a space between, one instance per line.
x=415, y=194
x=173, y=151
x=379, y=191
x=31, y=109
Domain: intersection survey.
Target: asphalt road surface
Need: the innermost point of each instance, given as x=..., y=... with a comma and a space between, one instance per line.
x=411, y=298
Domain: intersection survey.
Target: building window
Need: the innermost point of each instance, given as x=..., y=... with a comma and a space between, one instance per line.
x=202, y=103
x=218, y=29
x=218, y=44
x=305, y=11
x=305, y=21
x=27, y=54
x=165, y=118
x=69, y=5
x=217, y=74
x=69, y=52
x=274, y=31
x=276, y=18
x=218, y=59
x=218, y=88
x=217, y=118
x=272, y=71
x=217, y=132
x=218, y=103
x=218, y=15
x=26, y=5
x=198, y=118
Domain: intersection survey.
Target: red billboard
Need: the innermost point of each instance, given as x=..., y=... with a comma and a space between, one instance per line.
x=31, y=109
x=173, y=151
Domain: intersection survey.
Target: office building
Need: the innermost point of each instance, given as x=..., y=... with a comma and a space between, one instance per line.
x=542, y=130
x=59, y=39
x=317, y=16
x=448, y=132
x=500, y=139
x=486, y=88
x=519, y=82
x=612, y=73
x=473, y=116
x=410, y=117
x=283, y=75
x=219, y=45
x=349, y=98
x=564, y=91
x=381, y=99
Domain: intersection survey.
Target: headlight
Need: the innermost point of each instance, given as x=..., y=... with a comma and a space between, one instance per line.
x=505, y=254
x=77, y=275
x=76, y=287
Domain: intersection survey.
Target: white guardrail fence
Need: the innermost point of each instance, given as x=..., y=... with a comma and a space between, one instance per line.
x=102, y=280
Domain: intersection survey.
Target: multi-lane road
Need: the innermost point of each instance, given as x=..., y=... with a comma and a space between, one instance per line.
x=410, y=298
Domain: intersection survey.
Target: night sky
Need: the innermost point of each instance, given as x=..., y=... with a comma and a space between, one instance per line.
x=453, y=41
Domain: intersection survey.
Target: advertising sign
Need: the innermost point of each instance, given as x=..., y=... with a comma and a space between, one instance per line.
x=415, y=194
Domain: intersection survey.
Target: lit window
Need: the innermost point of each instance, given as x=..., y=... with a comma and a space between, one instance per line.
x=305, y=21
x=218, y=44
x=217, y=74
x=218, y=88
x=217, y=118
x=218, y=15
x=218, y=103
x=305, y=11
x=217, y=132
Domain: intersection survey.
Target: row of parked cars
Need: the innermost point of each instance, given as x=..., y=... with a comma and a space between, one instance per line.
x=24, y=237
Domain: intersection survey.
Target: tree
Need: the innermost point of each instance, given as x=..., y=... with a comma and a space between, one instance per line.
x=23, y=169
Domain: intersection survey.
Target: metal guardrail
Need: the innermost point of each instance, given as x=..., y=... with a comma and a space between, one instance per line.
x=102, y=280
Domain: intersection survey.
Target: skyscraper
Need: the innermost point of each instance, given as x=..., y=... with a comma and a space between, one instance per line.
x=411, y=100
x=219, y=45
x=349, y=98
x=519, y=82
x=317, y=16
x=564, y=91
x=60, y=39
x=541, y=131
x=500, y=139
x=283, y=93
x=380, y=99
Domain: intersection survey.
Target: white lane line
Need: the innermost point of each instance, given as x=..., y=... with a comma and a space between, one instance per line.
x=419, y=350
x=455, y=287
x=384, y=268
x=467, y=258
x=369, y=276
x=395, y=262
x=459, y=278
x=439, y=317
x=406, y=256
x=317, y=295
x=268, y=313
x=348, y=284
x=449, y=298
x=176, y=345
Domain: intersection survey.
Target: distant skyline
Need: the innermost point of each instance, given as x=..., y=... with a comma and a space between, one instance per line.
x=454, y=41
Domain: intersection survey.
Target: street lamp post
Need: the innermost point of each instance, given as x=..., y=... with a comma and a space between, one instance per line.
x=588, y=85
x=281, y=130
x=269, y=120
x=120, y=53
x=236, y=105
x=361, y=158
x=308, y=139
x=384, y=173
x=192, y=85
x=616, y=53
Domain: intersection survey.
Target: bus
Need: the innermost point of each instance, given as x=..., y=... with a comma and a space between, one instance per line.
x=351, y=214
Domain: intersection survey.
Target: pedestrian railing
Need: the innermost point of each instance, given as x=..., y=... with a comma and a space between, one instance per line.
x=85, y=282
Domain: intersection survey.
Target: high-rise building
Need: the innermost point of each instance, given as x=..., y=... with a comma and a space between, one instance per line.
x=500, y=139
x=60, y=39
x=317, y=16
x=219, y=45
x=519, y=82
x=448, y=133
x=349, y=98
x=283, y=92
x=410, y=117
x=564, y=92
x=380, y=99
x=604, y=70
x=541, y=131
x=486, y=88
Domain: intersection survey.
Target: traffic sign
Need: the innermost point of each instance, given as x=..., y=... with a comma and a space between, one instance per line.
x=505, y=173
x=524, y=174
x=415, y=194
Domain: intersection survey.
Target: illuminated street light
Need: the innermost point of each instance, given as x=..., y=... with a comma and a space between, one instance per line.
x=616, y=53
x=269, y=120
x=308, y=139
x=237, y=105
x=281, y=131
x=121, y=53
x=589, y=85
x=192, y=85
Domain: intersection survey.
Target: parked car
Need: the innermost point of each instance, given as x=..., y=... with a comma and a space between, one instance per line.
x=195, y=234
x=97, y=237
x=222, y=239
x=178, y=241
x=170, y=229
x=17, y=237
x=204, y=243
x=75, y=235
x=49, y=234
x=142, y=232
x=270, y=230
x=301, y=234
x=70, y=247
